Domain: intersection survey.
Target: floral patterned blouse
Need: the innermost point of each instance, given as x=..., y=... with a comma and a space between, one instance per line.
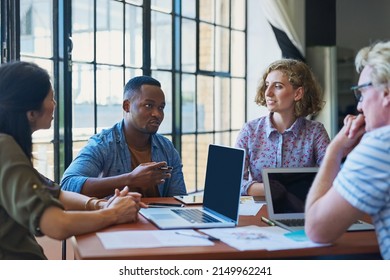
x=302, y=145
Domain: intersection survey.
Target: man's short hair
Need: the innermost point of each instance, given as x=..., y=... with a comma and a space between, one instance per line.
x=135, y=84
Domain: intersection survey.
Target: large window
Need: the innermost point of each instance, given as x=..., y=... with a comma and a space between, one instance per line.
x=36, y=45
x=195, y=48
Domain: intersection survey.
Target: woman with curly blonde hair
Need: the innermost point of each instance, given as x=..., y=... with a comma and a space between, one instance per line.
x=285, y=137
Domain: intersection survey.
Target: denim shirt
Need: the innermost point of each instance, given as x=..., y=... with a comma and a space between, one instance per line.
x=302, y=145
x=107, y=154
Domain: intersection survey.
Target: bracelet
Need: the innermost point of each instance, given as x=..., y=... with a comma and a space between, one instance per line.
x=96, y=203
x=88, y=201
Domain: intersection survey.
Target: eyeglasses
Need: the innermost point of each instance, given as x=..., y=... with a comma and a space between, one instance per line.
x=357, y=90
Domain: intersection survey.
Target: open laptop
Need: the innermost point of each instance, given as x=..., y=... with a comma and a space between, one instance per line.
x=285, y=194
x=221, y=197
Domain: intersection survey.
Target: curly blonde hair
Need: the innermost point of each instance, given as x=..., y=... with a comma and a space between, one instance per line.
x=299, y=75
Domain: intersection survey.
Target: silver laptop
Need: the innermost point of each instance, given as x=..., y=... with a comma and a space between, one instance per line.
x=285, y=194
x=221, y=197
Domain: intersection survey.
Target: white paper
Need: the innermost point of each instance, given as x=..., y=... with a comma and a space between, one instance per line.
x=258, y=238
x=250, y=208
x=150, y=239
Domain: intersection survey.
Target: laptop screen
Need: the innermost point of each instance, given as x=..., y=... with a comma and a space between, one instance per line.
x=289, y=189
x=223, y=180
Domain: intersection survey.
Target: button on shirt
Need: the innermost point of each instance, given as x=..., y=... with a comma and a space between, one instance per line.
x=302, y=145
x=107, y=154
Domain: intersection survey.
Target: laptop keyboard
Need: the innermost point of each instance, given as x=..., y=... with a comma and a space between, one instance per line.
x=195, y=216
x=293, y=222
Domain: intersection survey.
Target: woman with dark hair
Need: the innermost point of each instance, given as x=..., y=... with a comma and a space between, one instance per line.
x=285, y=137
x=31, y=204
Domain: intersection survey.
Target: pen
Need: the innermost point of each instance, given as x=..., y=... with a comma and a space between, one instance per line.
x=267, y=221
x=199, y=236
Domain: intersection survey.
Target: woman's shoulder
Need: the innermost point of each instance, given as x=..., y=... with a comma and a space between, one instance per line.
x=7, y=140
x=255, y=123
x=9, y=148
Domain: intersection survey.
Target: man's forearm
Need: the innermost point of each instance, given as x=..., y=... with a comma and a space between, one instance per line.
x=327, y=173
x=102, y=187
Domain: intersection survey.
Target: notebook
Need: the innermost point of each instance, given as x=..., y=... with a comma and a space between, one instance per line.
x=221, y=197
x=190, y=199
x=285, y=194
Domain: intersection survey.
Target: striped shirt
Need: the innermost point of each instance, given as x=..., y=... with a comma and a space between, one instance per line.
x=364, y=182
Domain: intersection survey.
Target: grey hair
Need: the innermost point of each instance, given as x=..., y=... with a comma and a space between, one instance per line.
x=377, y=57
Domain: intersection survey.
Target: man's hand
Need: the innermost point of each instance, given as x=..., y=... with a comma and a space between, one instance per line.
x=351, y=133
x=149, y=174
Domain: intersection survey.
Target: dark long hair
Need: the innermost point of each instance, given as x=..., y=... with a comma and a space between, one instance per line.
x=23, y=87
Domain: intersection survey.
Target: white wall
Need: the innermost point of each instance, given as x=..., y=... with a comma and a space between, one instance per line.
x=263, y=47
x=358, y=23
x=262, y=50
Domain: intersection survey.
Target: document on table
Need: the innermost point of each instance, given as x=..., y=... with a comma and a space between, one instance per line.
x=258, y=238
x=249, y=207
x=152, y=239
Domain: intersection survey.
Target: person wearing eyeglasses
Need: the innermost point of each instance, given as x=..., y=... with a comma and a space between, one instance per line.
x=130, y=153
x=31, y=204
x=340, y=195
x=285, y=137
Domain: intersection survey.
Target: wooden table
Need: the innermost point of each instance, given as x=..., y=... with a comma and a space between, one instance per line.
x=351, y=245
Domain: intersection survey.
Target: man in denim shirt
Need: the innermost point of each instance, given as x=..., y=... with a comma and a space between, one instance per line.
x=130, y=153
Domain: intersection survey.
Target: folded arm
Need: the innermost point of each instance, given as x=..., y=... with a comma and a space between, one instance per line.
x=327, y=213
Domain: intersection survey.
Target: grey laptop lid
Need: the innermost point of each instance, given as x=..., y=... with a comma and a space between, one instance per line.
x=221, y=196
x=286, y=190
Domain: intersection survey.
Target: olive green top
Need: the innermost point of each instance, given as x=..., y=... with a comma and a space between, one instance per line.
x=24, y=196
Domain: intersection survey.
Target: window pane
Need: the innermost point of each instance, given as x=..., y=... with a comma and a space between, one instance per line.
x=205, y=104
x=82, y=30
x=238, y=14
x=109, y=95
x=233, y=137
x=188, y=45
x=238, y=103
x=189, y=161
x=43, y=148
x=222, y=139
x=222, y=49
x=162, y=5
x=83, y=101
x=130, y=73
x=36, y=28
x=206, y=10
x=188, y=103
x=109, y=36
x=206, y=47
x=161, y=41
x=136, y=2
x=165, y=78
x=222, y=104
x=204, y=140
x=43, y=153
x=78, y=145
x=238, y=54
x=222, y=12
x=133, y=36
x=188, y=8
